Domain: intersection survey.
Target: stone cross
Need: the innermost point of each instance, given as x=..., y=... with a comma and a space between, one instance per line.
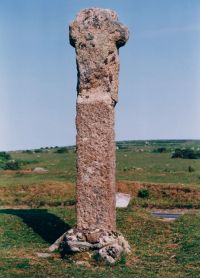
x=96, y=35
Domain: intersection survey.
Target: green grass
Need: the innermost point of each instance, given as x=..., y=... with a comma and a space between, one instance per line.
x=166, y=178
x=159, y=249
x=136, y=161
x=189, y=242
x=46, y=209
x=156, y=167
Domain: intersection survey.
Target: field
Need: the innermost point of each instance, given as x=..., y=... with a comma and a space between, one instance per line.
x=37, y=207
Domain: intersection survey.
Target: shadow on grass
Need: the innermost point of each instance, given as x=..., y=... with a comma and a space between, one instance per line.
x=49, y=226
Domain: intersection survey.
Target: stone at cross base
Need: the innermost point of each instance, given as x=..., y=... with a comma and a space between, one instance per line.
x=96, y=35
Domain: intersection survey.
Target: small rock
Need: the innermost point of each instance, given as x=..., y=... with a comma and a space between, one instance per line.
x=40, y=170
x=111, y=253
x=122, y=200
x=124, y=243
x=77, y=246
x=80, y=237
x=109, y=244
x=43, y=255
x=93, y=237
x=70, y=232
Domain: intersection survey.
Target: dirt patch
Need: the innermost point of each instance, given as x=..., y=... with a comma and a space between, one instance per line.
x=25, y=171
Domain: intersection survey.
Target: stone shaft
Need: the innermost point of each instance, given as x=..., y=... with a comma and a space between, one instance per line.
x=96, y=35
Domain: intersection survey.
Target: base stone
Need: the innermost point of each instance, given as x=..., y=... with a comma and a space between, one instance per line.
x=108, y=244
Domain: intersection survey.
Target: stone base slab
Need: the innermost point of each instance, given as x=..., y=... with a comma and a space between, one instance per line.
x=108, y=244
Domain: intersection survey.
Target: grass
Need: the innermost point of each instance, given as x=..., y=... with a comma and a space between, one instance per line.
x=38, y=195
x=170, y=182
x=37, y=208
x=62, y=194
x=159, y=249
x=136, y=161
x=163, y=196
x=156, y=167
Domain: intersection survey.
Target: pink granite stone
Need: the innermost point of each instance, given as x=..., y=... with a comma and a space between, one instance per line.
x=96, y=35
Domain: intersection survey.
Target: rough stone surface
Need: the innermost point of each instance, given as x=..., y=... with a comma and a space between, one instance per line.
x=96, y=35
x=111, y=253
x=108, y=244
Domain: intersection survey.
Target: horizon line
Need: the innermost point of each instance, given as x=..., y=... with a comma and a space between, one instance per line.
x=116, y=141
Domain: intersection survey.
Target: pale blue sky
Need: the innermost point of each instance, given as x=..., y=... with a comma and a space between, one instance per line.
x=159, y=92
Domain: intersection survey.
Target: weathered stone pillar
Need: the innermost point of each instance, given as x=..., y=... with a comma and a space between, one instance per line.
x=96, y=35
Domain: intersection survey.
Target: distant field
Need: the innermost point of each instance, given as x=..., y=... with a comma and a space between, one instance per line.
x=136, y=160
x=36, y=208
x=171, y=181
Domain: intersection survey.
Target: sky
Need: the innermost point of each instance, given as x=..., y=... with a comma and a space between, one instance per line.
x=159, y=84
